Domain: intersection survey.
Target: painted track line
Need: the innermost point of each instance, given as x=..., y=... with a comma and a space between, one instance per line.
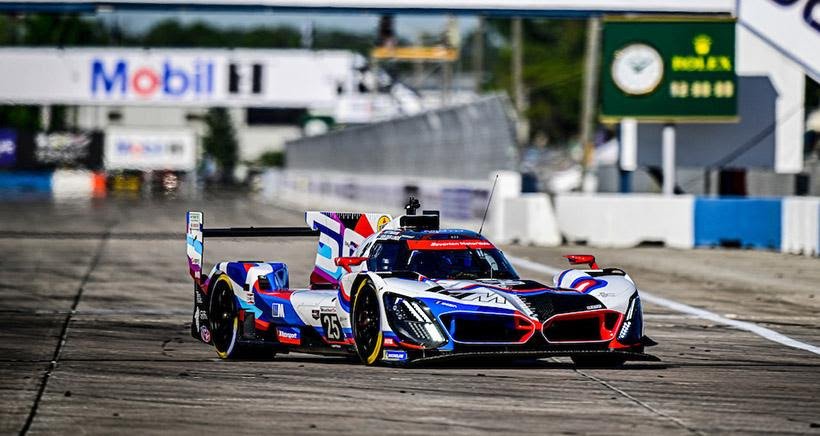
x=763, y=332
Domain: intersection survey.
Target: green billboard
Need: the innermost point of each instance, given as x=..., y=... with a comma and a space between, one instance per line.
x=669, y=70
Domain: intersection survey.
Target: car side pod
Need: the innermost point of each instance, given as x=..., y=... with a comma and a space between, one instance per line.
x=580, y=259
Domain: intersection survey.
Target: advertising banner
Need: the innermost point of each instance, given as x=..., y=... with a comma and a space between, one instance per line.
x=175, y=77
x=570, y=7
x=8, y=148
x=669, y=70
x=150, y=149
x=64, y=148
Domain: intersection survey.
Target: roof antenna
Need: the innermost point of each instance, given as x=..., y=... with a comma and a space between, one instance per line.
x=489, y=200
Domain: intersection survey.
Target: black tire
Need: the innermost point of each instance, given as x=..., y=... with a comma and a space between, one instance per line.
x=366, y=324
x=226, y=329
x=223, y=318
x=598, y=361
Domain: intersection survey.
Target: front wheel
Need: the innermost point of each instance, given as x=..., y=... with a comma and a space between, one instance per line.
x=597, y=361
x=367, y=330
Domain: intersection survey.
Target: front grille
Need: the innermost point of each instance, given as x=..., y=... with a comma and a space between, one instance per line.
x=590, y=326
x=547, y=304
x=487, y=328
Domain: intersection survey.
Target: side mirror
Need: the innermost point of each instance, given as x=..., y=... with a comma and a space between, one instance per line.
x=347, y=262
x=580, y=259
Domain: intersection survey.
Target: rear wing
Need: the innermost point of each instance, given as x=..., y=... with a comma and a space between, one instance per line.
x=196, y=233
x=341, y=233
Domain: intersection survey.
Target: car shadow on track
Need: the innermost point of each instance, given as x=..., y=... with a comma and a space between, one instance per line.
x=527, y=364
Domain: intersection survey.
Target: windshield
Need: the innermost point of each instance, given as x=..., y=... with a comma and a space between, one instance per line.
x=466, y=264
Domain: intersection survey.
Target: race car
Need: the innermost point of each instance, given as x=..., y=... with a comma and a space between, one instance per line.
x=400, y=291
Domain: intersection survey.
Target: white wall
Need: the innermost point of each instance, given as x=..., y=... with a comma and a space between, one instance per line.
x=755, y=57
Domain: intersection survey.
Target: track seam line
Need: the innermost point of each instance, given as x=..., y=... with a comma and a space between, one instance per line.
x=64, y=333
x=646, y=406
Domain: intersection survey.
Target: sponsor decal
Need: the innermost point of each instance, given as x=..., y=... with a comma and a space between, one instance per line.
x=332, y=327
x=396, y=355
x=277, y=310
x=389, y=342
x=289, y=335
x=480, y=296
x=315, y=313
x=383, y=220
x=484, y=297
x=446, y=304
x=327, y=309
x=449, y=244
x=595, y=306
x=205, y=334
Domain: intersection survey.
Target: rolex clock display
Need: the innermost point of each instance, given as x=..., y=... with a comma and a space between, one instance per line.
x=637, y=69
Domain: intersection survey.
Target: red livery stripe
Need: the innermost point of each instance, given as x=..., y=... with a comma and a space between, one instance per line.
x=449, y=244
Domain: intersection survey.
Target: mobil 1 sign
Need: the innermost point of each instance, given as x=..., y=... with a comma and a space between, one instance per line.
x=669, y=70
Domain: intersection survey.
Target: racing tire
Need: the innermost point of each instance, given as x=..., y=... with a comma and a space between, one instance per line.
x=597, y=361
x=226, y=329
x=223, y=317
x=366, y=324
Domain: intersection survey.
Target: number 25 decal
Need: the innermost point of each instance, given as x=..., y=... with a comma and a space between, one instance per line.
x=332, y=326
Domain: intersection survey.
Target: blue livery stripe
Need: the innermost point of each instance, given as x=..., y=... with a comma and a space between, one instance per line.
x=194, y=243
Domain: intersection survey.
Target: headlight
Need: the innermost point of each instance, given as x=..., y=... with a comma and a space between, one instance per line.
x=412, y=321
x=632, y=326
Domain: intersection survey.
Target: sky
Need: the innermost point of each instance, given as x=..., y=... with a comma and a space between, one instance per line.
x=408, y=27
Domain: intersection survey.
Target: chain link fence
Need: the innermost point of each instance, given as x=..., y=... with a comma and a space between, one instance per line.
x=465, y=142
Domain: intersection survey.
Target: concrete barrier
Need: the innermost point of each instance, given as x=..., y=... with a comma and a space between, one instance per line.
x=15, y=184
x=507, y=186
x=529, y=219
x=742, y=222
x=800, y=233
x=72, y=184
x=626, y=220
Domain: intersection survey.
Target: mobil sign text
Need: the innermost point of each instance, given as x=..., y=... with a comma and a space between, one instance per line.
x=167, y=79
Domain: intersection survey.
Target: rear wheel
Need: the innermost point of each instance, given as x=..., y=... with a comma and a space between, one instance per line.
x=224, y=319
x=366, y=324
x=597, y=361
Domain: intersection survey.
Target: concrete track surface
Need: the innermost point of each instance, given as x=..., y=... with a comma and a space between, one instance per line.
x=94, y=340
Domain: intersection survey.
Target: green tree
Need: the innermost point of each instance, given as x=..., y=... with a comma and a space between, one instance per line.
x=553, y=72
x=20, y=117
x=220, y=141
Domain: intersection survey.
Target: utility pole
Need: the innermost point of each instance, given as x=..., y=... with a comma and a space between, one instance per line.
x=478, y=55
x=519, y=97
x=452, y=39
x=589, y=96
